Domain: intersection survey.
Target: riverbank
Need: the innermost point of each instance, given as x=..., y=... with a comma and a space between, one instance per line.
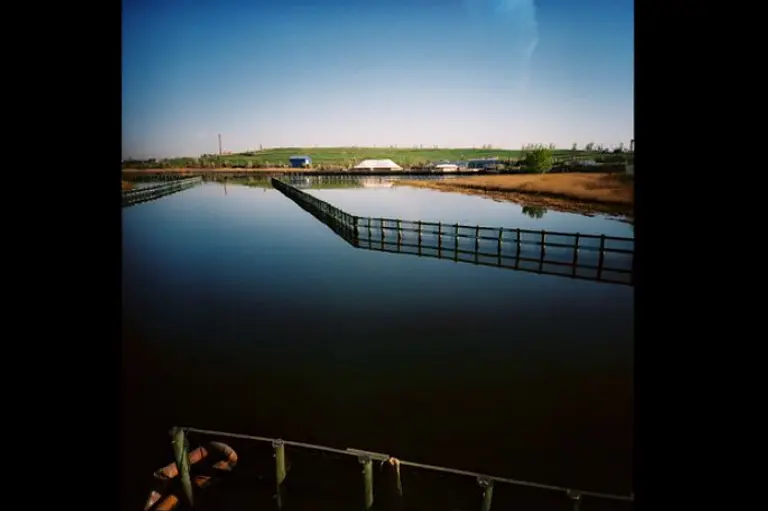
x=587, y=193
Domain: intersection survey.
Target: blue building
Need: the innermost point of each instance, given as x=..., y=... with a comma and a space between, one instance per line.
x=300, y=161
x=483, y=163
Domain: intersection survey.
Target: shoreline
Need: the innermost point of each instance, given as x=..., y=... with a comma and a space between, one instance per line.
x=587, y=194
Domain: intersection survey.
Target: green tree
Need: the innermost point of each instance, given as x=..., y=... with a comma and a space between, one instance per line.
x=537, y=158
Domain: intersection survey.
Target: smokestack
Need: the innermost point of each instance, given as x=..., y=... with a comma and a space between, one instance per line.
x=219, y=144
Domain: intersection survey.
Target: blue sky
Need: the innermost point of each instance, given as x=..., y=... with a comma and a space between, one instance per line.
x=302, y=73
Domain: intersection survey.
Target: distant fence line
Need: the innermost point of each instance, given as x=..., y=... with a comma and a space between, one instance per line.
x=600, y=258
x=137, y=195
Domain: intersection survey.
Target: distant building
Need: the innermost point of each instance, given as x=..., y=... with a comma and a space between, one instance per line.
x=298, y=162
x=483, y=163
x=377, y=165
x=447, y=167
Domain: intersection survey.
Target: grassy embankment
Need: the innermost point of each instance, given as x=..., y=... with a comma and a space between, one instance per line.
x=337, y=158
x=585, y=193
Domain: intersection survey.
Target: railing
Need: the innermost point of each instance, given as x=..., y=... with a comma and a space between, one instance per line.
x=366, y=458
x=599, y=258
x=137, y=195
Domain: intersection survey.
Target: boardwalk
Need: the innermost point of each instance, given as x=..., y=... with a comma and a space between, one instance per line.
x=138, y=195
x=598, y=258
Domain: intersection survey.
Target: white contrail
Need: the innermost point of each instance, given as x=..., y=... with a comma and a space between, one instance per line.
x=516, y=20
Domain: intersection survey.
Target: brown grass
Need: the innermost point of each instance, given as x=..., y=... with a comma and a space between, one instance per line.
x=584, y=193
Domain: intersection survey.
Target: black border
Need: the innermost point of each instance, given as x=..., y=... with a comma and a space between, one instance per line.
x=82, y=252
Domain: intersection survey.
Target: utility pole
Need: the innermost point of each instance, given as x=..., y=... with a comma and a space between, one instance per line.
x=219, y=144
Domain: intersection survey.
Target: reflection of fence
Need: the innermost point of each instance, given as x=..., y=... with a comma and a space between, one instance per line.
x=383, y=478
x=131, y=197
x=582, y=256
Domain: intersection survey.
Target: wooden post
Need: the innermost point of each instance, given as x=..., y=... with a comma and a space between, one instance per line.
x=419, y=237
x=367, y=463
x=477, y=240
x=280, y=473
x=439, y=237
x=501, y=235
x=576, y=254
x=399, y=230
x=487, y=486
x=370, y=235
x=181, y=455
x=381, y=222
x=456, y=240
x=541, y=260
x=602, y=255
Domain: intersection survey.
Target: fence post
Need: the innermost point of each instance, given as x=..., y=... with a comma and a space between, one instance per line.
x=419, y=237
x=602, y=255
x=477, y=239
x=576, y=254
x=367, y=463
x=576, y=498
x=456, y=240
x=399, y=229
x=541, y=260
x=279, y=447
x=487, y=486
x=181, y=455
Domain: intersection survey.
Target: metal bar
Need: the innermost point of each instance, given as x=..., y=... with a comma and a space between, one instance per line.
x=358, y=453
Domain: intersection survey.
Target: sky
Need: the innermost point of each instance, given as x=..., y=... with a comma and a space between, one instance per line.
x=303, y=73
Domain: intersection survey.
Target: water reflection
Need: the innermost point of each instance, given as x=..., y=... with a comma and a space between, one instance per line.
x=555, y=253
x=534, y=211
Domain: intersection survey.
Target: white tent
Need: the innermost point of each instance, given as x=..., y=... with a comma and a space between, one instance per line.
x=378, y=165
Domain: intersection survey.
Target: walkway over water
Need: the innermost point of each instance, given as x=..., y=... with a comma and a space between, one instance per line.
x=582, y=256
x=138, y=195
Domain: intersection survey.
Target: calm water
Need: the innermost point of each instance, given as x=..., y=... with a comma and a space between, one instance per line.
x=243, y=313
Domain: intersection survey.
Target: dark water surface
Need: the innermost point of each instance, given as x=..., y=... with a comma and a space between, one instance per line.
x=244, y=313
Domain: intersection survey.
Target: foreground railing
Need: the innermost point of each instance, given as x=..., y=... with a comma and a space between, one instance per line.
x=366, y=458
x=137, y=195
x=599, y=258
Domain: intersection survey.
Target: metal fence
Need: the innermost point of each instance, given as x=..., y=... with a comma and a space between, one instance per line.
x=135, y=196
x=582, y=256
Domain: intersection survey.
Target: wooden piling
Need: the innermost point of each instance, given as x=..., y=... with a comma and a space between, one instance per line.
x=367, y=463
x=181, y=455
x=280, y=472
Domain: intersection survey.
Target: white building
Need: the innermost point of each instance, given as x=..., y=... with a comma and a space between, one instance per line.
x=447, y=167
x=377, y=165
